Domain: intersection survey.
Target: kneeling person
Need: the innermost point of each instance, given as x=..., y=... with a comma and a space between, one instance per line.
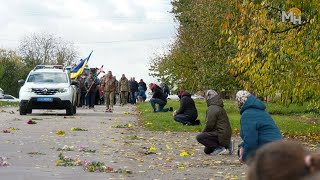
x=158, y=98
x=216, y=135
x=187, y=113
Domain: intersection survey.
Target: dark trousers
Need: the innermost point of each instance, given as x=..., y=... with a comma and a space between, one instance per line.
x=210, y=142
x=184, y=119
x=132, y=97
x=83, y=98
x=90, y=99
x=160, y=103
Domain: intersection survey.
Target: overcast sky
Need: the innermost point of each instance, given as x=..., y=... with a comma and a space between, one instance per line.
x=124, y=34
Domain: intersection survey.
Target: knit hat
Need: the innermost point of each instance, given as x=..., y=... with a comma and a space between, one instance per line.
x=241, y=97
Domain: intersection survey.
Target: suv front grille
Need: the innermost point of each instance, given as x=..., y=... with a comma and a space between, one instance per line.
x=44, y=91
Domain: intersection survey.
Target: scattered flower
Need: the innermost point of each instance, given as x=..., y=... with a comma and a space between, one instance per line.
x=66, y=148
x=31, y=122
x=78, y=129
x=184, y=153
x=123, y=126
x=13, y=129
x=94, y=166
x=60, y=133
x=65, y=161
x=181, y=167
x=152, y=148
x=6, y=131
x=97, y=166
x=3, y=162
x=125, y=113
x=36, y=153
x=86, y=149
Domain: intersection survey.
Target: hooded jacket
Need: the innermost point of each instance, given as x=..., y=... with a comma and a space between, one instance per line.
x=187, y=106
x=217, y=121
x=257, y=126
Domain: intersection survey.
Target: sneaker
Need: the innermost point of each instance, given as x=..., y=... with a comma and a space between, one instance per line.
x=219, y=151
x=231, y=147
x=107, y=110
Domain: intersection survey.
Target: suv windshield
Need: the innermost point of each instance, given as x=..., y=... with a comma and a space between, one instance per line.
x=48, y=77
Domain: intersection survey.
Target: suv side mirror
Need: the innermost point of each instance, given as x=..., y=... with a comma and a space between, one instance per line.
x=74, y=82
x=21, y=81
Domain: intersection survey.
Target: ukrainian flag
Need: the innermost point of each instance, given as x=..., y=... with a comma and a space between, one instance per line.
x=77, y=70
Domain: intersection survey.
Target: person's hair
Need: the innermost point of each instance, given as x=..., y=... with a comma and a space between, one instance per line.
x=283, y=160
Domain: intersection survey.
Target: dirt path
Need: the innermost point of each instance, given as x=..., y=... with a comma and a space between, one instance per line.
x=32, y=150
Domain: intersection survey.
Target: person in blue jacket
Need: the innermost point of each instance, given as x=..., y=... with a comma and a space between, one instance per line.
x=256, y=125
x=141, y=96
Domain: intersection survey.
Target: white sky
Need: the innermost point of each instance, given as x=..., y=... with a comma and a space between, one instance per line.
x=124, y=34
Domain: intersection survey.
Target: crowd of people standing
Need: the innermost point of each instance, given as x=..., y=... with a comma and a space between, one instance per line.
x=92, y=90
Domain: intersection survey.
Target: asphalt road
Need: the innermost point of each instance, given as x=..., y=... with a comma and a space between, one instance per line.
x=32, y=149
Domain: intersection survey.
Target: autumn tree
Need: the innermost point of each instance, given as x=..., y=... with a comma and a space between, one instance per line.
x=275, y=56
x=46, y=49
x=197, y=58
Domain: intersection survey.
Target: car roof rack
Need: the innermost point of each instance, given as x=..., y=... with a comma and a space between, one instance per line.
x=48, y=67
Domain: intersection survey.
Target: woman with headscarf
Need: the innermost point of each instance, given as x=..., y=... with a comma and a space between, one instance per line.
x=216, y=135
x=256, y=125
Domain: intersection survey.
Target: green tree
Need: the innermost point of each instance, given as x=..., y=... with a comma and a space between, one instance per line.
x=11, y=70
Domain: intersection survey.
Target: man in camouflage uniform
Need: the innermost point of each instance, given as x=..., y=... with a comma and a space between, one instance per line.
x=109, y=87
x=124, y=89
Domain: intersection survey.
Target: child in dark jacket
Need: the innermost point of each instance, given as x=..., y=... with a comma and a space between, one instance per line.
x=187, y=114
x=256, y=125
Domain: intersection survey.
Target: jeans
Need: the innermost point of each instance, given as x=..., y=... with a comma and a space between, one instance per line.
x=183, y=118
x=161, y=104
x=133, y=97
x=90, y=99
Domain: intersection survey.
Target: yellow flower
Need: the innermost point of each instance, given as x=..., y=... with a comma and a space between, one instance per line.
x=60, y=133
x=73, y=129
x=184, y=153
x=181, y=167
x=152, y=148
x=130, y=125
x=12, y=129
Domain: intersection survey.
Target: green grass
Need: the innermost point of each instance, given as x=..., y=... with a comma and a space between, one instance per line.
x=4, y=103
x=292, y=120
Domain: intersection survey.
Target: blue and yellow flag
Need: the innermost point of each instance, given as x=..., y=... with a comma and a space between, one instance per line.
x=77, y=70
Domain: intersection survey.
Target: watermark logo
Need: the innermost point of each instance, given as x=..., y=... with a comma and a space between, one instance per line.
x=294, y=15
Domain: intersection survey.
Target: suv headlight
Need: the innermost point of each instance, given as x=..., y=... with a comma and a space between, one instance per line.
x=63, y=90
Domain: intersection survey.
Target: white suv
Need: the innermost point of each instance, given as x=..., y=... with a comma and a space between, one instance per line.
x=48, y=87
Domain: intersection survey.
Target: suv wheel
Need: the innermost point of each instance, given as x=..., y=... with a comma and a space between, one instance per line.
x=69, y=110
x=74, y=109
x=29, y=110
x=23, y=109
